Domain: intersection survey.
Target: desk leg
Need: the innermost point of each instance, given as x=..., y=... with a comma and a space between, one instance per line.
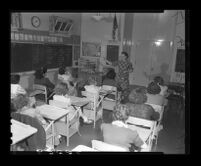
x=67, y=135
x=53, y=135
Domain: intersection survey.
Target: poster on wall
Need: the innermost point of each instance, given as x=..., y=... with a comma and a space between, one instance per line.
x=180, y=61
x=91, y=49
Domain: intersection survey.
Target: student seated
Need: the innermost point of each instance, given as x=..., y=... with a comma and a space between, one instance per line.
x=164, y=89
x=118, y=133
x=61, y=89
x=110, y=78
x=138, y=108
x=153, y=95
x=16, y=88
x=22, y=111
x=42, y=80
x=110, y=81
x=66, y=77
x=23, y=105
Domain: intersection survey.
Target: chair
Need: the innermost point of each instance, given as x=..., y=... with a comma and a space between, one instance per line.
x=145, y=129
x=40, y=89
x=160, y=110
x=102, y=146
x=109, y=103
x=70, y=127
x=95, y=105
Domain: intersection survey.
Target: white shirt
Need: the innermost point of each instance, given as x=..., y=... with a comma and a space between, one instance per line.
x=16, y=89
x=119, y=124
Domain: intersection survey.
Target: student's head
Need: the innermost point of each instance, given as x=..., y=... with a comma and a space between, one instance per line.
x=153, y=88
x=92, y=81
x=20, y=101
x=159, y=80
x=138, y=96
x=62, y=70
x=15, y=79
x=38, y=74
x=61, y=89
x=111, y=74
x=44, y=69
x=68, y=71
x=124, y=56
x=121, y=112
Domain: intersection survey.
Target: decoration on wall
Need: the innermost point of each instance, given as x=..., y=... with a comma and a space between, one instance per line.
x=91, y=49
x=115, y=29
x=16, y=21
x=35, y=21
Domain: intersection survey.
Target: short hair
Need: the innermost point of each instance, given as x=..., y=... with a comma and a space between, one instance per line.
x=38, y=74
x=61, y=70
x=15, y=78
x=121, y=112
x=159, y=80
x=137, y=96
x=20, y=101
x=111, y=74
x=153, y=88
x=61, y=89
x=125, y=53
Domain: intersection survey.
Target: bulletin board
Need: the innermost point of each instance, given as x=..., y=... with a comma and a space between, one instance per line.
x=91, y=49
x=180, y=61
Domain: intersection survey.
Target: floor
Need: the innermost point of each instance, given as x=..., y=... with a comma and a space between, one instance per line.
x=170, y=140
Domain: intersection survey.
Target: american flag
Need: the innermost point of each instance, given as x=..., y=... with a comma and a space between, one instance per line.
x=115, y=28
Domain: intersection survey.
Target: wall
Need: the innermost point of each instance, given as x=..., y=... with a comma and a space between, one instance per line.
x=100, y=31
x=179, y=34
x=145, y=55
x=27, y=79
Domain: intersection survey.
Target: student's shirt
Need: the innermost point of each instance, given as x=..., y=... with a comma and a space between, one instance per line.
x=163, y=91
x=110, y=82
x=122, y=136
x=46, y=82
x=156, y=99
x=16, y=89
x=64, y=78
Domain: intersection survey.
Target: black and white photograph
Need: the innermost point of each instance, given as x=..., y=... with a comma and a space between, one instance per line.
x=96, y=82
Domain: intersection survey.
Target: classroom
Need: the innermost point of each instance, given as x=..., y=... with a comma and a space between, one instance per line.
x=111, y=81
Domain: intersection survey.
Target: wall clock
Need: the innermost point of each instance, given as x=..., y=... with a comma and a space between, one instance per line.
x=35, y=21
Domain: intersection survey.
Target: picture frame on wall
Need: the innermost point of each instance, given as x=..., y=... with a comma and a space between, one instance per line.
x=91, y=49
x=16, y=21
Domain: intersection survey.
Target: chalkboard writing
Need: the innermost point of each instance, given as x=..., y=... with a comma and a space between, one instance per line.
x=180, y=61
x=112, y=53
x=28, y=57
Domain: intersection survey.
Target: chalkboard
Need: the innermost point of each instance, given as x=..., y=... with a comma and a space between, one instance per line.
x=112, y=53
x=28, y=57
x=180, y=61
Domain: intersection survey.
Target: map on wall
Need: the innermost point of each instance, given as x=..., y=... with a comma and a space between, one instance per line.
x=91, y=49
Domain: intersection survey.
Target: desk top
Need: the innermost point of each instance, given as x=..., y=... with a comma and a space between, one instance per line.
x=143, y=132
x=20, y=131
x=52, y=112
x=83, y=148
x=79, y=101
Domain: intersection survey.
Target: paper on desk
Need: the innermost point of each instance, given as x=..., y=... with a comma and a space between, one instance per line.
x=52, y=112
x=143, y=132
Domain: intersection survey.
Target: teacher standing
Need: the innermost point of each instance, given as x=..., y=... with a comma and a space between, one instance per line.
x=123, y=67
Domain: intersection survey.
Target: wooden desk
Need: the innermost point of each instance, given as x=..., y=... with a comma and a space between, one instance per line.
x=83, y=148
x=20, y=131
x=53, y=114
